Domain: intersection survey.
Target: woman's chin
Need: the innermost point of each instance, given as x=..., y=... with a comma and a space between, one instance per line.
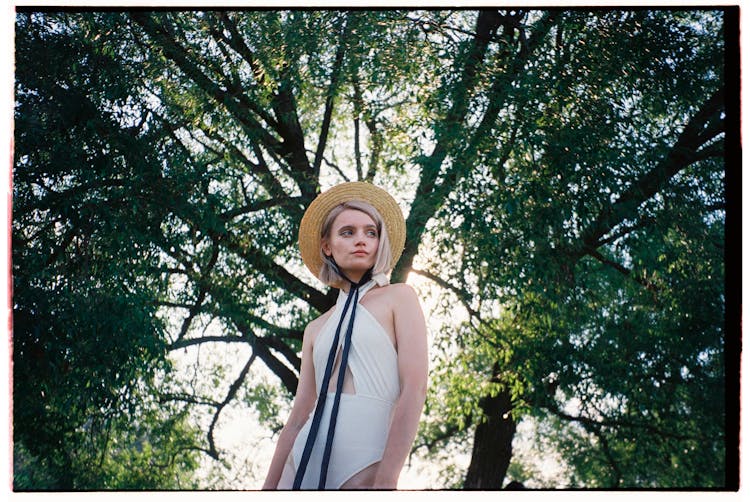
x=356, y=267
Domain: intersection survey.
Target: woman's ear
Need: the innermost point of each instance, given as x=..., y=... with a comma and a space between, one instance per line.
x=326, y=248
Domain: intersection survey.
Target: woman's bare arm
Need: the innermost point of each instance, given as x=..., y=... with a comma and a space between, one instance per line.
x=304, y=401
x=411, y=341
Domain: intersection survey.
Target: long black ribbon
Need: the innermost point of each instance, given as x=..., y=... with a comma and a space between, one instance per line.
x=322, y=395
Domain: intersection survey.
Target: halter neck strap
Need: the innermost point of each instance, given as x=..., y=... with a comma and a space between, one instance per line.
x=352, y=298
x=364, y=280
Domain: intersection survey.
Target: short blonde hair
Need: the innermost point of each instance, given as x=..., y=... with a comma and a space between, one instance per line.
x=383, y=258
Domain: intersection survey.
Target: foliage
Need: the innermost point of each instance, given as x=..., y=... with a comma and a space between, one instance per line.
x=562, y=175
x=619, y=326
x=87, y=343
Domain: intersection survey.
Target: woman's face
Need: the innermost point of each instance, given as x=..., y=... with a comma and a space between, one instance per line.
x=353, y=242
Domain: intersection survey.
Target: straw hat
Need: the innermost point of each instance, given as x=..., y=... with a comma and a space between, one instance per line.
x=312, y=221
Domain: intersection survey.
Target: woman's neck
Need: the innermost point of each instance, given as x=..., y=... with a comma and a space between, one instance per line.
x=354, y=276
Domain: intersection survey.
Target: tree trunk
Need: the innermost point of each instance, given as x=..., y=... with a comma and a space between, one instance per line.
x=493, y=440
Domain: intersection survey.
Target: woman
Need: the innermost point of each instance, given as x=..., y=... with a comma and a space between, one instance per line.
x=353, y=428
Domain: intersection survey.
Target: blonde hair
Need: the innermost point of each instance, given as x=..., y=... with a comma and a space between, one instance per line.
x=383, y=258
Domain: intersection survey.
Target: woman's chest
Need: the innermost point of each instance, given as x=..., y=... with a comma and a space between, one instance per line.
x=380, y=312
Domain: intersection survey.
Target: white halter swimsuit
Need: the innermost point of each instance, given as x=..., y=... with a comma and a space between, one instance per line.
x=364, y=417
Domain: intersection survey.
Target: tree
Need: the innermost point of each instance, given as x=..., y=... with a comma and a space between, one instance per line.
x=598, y=305
x=562, y=171
x=88, y=346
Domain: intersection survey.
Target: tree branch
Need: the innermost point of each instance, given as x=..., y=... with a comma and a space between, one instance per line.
x=461, y=294
x=204, y=287
x=259, y=169
x=186, y=398
x=431, y=192
x=188, y=342
x=502, y=83
x=284, y=105
x=53, y=198
x=179, y=55
x=428, y=198
x=654, y=288
x=260, y=347
x=586, y=421
x=644, y=222
x=260, y=206
x=331, y=94
x=608, y=454
x=684, y=153
x=237, y=43
x=279, y=274
x=337, y=169
x=227, y=399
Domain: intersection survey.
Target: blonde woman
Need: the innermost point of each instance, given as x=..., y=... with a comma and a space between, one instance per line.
x=363, y=376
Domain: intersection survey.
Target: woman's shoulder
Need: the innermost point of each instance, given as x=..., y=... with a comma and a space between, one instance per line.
x=314, y=326
x=400, y=288
x=400, y=294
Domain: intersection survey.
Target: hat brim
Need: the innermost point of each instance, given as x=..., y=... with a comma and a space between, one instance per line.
x=317, y=212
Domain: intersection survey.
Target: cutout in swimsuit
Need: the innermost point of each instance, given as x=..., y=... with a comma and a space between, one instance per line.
x=364, y=417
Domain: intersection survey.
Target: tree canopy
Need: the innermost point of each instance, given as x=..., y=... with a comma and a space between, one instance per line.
x=563, y=173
